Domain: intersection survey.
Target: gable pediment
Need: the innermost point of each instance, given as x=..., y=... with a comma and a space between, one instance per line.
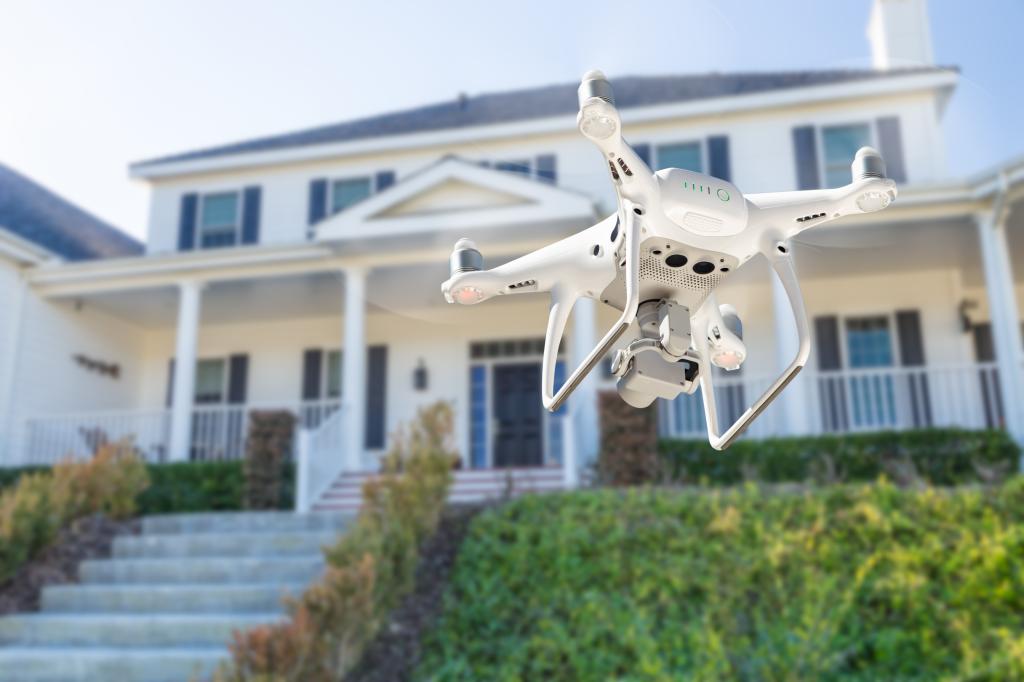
x=452, y=195
x=456, y=194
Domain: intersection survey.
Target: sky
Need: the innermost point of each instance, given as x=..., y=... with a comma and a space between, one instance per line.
x=88, y=87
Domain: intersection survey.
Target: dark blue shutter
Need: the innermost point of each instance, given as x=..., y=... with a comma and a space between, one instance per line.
x=718, y=157
x=317, y=200
x=312, y=363
x=805, y=151
x=187, y=222
x=251, y=215
x=644, y=152
x=890, y=143
x=547, y=168
x=238, y=378
x=911, y=342
x=376, y=395
x=831, y=387
x=384, y=180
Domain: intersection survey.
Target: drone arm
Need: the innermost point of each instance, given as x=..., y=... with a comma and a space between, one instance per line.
x=783, y=266
x=562, y=301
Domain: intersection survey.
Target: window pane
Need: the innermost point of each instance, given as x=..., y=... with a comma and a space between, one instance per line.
x=841, y=144
x=686, y=156
x=220, y=210
x=344, y=193
x=333, y=382
x=210, y=381
x=869, y=342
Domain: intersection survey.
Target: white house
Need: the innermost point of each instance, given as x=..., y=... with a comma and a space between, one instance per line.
x=301, y=271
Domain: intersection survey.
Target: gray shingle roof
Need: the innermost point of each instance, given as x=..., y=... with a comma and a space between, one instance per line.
x=35, y=213
x=552, y=100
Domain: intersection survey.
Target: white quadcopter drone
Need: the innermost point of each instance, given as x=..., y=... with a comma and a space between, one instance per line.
x=676, y=235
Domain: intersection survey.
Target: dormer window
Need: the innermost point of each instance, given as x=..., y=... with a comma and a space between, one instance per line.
x=685, y=155
x=219, y=220
x=348, y=191
x=839, y=144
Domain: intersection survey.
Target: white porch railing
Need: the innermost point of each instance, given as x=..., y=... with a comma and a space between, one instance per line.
x=218, y=432
x=848, y=401
x=319, y=459
x=49, y=439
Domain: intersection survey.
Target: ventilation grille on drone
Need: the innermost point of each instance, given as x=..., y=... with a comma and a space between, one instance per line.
x=652, y=268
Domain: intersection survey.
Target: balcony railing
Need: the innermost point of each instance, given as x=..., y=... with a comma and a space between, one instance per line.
x=218, y=431
x=848, y=401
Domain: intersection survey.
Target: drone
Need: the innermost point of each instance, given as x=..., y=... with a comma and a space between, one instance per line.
x=675, y=236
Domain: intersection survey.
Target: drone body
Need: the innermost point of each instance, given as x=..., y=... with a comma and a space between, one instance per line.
x=675, y=237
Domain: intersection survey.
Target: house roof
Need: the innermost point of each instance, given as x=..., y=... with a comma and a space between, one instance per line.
x=36, y=214
x=542, y=102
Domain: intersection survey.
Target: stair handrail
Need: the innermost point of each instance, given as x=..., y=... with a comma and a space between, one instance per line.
x=320, y=460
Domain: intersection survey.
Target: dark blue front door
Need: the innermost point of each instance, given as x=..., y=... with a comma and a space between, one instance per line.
x=518, y=438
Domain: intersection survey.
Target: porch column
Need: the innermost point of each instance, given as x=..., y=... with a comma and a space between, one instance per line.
x=184, y=370
x=1002, y=304
x=794, y=408
x=583, y=404
x=353, y=373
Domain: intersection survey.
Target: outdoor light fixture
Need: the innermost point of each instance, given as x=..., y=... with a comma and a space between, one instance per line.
x=420, y=377
x=966, y=323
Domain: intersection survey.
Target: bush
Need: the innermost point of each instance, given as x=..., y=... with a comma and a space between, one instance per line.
x=34, y=509
x=204, y=486
x=936, y=456
x=268, y=445
x=866, y=582
x=629, y=442
x=369, y=570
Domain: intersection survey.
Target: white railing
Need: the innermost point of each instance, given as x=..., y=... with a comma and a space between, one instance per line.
x=852, y=400
x=49, y=439
x=320, y=459
x=218, y=432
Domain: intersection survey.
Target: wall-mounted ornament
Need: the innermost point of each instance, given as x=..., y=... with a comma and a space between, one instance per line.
x=110, y=369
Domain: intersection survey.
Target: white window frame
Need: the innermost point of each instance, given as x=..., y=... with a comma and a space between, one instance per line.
x=701, y=143
x=201, y=228
x=844, y=349
x=370, y=179
x=820, y=138
x=224, y=381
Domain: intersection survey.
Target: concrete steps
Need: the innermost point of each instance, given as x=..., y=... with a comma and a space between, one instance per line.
x=166, y=603
x=469, y=486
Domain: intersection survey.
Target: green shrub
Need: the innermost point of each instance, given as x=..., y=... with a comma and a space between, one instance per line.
x=204, y=486
x=35, y=508
x=368, y=571
x=937, y=456
x=865, y=582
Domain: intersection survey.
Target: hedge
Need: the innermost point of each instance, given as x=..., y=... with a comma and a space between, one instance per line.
x=936, y=456
x=204, y=486
x=850, y=582
x=369, y=570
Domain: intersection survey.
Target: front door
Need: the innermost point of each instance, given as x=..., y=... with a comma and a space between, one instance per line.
x=519, y=423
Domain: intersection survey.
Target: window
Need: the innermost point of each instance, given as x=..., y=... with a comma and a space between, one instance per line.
x=869, y=342
x=210, y=381
x=521, y=166
x=218, y=220
x=349, y=191
x=872, y=394
x=839, y=145
x=687, y=156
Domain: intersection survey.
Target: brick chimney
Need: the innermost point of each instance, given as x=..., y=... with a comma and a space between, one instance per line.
x=899, y=35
